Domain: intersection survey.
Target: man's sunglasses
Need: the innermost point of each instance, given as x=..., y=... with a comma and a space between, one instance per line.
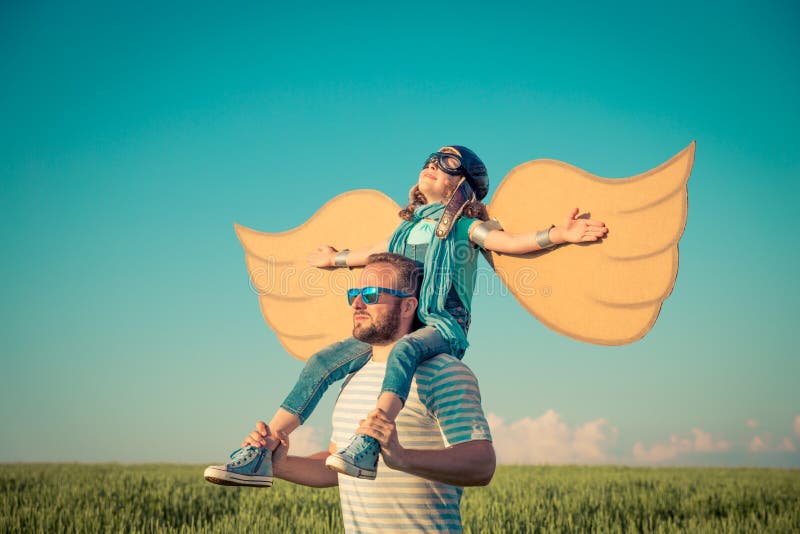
x=371, y=294
x=449, y=163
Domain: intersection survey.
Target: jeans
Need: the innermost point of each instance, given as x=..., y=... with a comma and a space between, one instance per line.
x=336, y=361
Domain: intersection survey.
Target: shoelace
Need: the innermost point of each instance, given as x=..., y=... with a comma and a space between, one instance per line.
x=241, y=454
x=362, y=445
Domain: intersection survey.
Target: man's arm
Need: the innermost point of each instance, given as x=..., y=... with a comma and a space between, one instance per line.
x=471, y=463
x=308, y=471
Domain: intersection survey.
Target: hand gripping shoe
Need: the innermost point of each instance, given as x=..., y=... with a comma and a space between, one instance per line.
x=359, y=459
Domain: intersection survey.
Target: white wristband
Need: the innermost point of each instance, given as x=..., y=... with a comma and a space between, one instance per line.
x=340, y=260
x=543, y=237
x=482, y=230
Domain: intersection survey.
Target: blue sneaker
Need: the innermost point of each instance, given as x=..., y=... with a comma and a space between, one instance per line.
x=250, y=466
x=359, y=459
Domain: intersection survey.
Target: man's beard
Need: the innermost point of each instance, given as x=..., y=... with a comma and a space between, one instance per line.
x=379, y=331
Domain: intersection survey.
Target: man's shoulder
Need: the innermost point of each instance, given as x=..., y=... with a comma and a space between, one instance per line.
x=449, y=392
x=444, y=368
x=443, y=361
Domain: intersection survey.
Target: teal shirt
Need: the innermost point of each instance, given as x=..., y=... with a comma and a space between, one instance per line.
x=467, y=255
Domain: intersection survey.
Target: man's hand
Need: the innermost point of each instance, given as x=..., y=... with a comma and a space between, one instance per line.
x=382, y=429
x=470, y=463
x=262, y=436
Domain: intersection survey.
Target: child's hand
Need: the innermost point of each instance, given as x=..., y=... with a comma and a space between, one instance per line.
x=322, y=257
x=578, y=230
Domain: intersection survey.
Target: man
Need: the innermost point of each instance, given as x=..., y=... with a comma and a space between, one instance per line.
x=439, y=443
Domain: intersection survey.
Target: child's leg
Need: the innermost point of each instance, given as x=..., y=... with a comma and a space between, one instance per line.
x=409, y=351
x=360, y=457
x=323, y=369
x=407, y=354
x=390, y=404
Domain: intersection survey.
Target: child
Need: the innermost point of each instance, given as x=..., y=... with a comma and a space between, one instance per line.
x=441, y=226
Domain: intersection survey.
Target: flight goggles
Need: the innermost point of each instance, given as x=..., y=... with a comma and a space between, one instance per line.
x=449, y=163
x=371, y=294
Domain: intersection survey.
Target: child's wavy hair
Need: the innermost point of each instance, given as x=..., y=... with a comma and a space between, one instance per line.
x=473, y=209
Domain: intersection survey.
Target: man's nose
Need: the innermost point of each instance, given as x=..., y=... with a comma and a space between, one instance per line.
x=358, y=303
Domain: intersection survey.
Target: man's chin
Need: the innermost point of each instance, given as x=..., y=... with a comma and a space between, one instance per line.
x=370, y=335
x=361, y=325
x=376, y=330
x=361, y=331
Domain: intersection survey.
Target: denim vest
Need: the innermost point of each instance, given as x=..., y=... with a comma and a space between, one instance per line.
x=453, y=304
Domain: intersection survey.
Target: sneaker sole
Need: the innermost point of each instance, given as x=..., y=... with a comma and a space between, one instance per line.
x=225, y=478
x=340, y=465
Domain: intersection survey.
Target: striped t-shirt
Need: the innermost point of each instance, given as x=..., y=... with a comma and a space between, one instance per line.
x=443, y=409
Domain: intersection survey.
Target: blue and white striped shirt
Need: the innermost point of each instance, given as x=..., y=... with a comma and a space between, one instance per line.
x=443, y=409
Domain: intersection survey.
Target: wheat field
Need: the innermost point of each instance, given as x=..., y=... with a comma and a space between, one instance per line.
x=51, y=498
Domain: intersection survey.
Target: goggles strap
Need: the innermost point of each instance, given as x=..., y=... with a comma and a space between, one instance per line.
x=454, y=207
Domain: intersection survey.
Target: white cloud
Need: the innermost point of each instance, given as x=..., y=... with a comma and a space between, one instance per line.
x=797, y=425
x=306, y=440
x=762, y=444
x=758, y=444
x=752, y=423
x=658, y=452
x=701, y=442
x=549, y=440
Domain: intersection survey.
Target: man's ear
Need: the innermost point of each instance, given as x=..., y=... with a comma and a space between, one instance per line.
x=410, y=305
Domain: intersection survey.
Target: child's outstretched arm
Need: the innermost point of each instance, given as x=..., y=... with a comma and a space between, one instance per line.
x=326, y=256
x=574, y=230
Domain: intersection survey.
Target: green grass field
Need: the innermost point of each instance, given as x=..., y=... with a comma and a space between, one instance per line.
x=168, y=498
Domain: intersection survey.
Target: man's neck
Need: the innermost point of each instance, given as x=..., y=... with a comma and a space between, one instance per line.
x=380, y=353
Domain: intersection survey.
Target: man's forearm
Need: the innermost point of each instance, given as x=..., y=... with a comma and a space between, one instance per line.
x=466, y=464
x=308, y=471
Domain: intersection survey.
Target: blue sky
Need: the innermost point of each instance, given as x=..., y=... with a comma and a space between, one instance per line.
x=133, y=137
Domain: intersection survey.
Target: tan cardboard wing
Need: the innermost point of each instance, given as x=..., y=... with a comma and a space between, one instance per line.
x=608, y=293
x=305, y=306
